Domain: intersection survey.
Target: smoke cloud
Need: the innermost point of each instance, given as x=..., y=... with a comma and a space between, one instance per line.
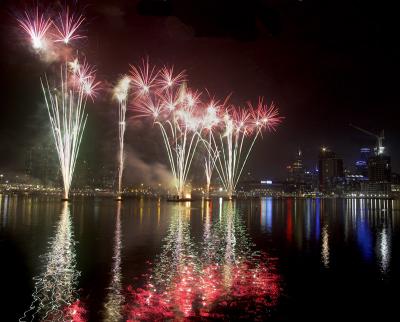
x=151, y=174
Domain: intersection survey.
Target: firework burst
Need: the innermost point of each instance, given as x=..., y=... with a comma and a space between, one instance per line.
x=167, y=79
x=67, y=26
x=143, y=78
x=165, y=98
x=230, y=144
x=83, y=76
x=184, y=120
x=36, y=26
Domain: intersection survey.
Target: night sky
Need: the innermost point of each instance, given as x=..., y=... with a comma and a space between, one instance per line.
x=325, y=64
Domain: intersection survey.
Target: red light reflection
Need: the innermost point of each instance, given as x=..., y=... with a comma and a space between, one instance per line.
x=244, y=290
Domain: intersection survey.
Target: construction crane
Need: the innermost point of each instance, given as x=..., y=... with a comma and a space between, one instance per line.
x=379, y=138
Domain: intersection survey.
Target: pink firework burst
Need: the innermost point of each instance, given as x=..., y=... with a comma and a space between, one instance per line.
x=190, y=99
x=83, y=76
x=36, y=26
x=148, y=106
x=264, y=116
x=211, y=117
x=143, y=78
x=85, y=72
x=170, y=99
x=187, y=119
x=242, y=120
x=167, y=79
x=67, y=26
x=91, y=87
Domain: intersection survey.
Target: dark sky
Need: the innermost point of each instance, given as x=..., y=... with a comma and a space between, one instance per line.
x=325, y=64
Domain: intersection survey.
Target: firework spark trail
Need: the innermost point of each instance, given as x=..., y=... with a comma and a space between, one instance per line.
x=67, y=115
x=237, y=124
x=210, y=121
x=164, y=97
x=121, y=94
x=209, y=164
x=181, y=143
x=67, y=27
x=36, y=26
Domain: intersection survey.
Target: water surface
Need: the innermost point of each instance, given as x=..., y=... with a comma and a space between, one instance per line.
x=145, y=259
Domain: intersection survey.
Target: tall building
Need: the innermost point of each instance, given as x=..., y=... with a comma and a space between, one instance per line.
x=296, y=170
x=299, y=179
x=362, y=162
x=330, y=169
x=379, y=174
x=379, y=169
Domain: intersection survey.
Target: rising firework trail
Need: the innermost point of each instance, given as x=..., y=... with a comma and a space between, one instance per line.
x=210, y=122
x=67, y=26
x=66, y=109
x=237, y=124
x=166, y=99
x=121, y=94
x=36, y=26
x=209, y=164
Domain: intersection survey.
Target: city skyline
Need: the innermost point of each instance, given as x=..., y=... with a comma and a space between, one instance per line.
x=260, y=55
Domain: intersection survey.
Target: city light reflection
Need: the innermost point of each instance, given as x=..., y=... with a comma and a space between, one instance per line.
x=289, y=225
x=114, y=297
x=384, y=249
x=55, y=297
x=266, y=214
x=325, y=254
x=317, y=218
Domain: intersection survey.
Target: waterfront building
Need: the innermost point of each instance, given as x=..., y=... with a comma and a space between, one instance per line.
x=330, y=168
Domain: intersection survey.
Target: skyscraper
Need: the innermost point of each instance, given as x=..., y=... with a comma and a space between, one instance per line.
x=379, y=168
x=296, y=170
x=299, y=179
x=330, y=170
x=362, y=162
x=379, y=173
